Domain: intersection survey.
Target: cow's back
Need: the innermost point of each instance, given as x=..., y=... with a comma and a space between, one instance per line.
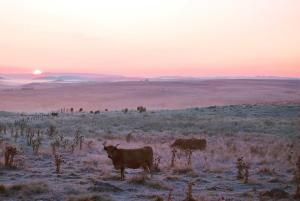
x=135, y=158
x=189, y=144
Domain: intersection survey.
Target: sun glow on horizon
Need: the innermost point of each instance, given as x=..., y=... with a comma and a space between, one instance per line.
x=37, y=72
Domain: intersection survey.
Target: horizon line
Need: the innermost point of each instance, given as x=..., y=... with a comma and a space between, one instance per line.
x=162, y=76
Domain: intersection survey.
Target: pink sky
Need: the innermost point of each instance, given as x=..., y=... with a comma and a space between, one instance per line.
x=151, y=38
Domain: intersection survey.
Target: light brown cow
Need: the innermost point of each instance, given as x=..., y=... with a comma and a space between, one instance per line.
x=191, y=144
x=130, y=158
x=188, y=146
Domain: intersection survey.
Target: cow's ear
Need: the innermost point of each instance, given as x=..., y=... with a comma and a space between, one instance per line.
x=105, y=148
x=116, y=146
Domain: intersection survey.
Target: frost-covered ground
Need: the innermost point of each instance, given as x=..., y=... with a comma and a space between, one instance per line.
x=267, y=136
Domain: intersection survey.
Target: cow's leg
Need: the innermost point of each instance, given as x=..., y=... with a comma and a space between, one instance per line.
x=122, y=173
x=147, y=169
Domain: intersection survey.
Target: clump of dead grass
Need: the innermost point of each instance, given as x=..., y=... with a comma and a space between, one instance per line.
x=266, y=171
x=189, y=192
x=169, y=198
x=24, y=190
x=297, y=178
x=9, y=155
x=138, y=179
x=58, y=160
x=89, y=197
x=242, y=169
x=183, y=170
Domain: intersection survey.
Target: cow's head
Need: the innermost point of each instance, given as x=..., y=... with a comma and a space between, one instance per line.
x=110, y=150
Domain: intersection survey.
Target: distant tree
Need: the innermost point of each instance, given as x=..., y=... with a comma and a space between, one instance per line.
x=54, y=114
x=141, y=109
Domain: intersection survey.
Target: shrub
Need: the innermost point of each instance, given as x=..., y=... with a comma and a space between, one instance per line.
x=51, y=131
x=9, y=155
x=25, y=191
x=58, y=161
x=138, y=179
x=54, y=114
x=297, y=178
x=89, y=198
x=189, y=196
x=170, y=197
x=243, y=169
x=141, y=109
x=36, y=145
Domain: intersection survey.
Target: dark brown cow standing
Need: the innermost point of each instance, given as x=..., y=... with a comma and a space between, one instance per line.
x=130, y=158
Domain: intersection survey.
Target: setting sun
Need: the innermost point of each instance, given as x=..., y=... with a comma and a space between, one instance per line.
x=37, y=72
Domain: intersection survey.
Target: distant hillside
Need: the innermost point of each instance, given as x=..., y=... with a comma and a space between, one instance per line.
x=81, y=77
x=20, y=79
x=153, y=95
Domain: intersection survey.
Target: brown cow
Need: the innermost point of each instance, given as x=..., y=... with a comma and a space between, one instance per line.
x=130, y=158
x=192, y=144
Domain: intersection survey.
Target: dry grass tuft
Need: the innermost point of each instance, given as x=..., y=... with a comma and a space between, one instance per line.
x=170, y=197
x=172, y=178
x=9, y=155
x=297, y=178
x=157, y=185
x=36, y=143
x=243, y=169
x=58, y=161
x=138, y=179
x=189, y=196
x=275, y=194
x=24, y=190
x=158, y=198
x=266, y=171
x=89, y=198
x=183, y=170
